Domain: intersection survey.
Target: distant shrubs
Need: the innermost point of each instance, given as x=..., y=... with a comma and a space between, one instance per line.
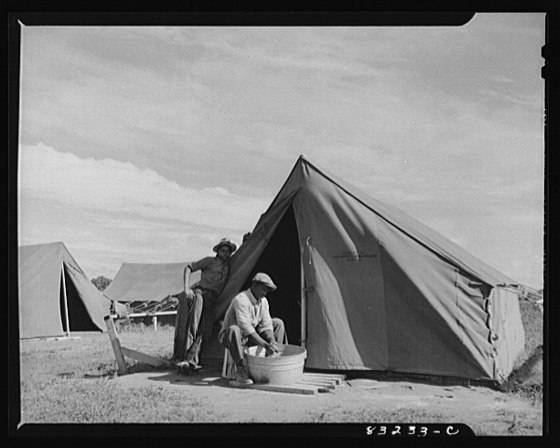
x=101, y=282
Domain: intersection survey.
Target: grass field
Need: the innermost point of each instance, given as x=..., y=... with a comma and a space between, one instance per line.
x=71, y=381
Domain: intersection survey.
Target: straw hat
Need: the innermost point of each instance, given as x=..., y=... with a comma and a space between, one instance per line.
x=225, y=242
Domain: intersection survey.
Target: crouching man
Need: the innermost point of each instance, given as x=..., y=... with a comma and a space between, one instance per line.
x=247, y=322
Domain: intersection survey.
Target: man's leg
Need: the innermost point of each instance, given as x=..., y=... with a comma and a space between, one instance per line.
x=180, y=338
x=231, y=338
x=202, y=316
x=193, y=330
x=279, y=330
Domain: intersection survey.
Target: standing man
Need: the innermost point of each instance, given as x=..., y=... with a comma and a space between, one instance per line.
x=194, y=311
x=247, y=322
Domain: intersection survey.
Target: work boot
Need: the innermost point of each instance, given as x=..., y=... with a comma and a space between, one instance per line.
x=195, y=367
x=242, y=376
x=184, y=367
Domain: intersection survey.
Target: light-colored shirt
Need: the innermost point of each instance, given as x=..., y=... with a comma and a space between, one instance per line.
x=248, y=313
x=214, y=273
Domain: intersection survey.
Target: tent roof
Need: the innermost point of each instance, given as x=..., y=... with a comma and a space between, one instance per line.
x=304, y=171
x=306, y=175
x=424, y=235
x=32, y=257
x=137, y=282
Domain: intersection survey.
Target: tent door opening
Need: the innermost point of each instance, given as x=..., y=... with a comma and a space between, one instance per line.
x=75, y=316
x=281, y=260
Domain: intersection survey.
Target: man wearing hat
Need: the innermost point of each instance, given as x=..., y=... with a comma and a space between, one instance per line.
x=194, y=310
x=247, y=322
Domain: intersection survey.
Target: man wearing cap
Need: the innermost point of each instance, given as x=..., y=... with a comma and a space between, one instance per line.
x=194, y=310
x=247, y=322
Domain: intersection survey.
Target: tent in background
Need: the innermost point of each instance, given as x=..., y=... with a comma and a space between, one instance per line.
x=364, y=286
x=55, y=296
x=147, y=282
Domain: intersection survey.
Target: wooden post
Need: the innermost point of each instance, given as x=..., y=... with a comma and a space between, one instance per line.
x=123, y=370
x=67, y=319
x=303, y=301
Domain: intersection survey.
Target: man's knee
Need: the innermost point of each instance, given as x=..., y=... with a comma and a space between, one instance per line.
x=231, y=333
x=277, y=323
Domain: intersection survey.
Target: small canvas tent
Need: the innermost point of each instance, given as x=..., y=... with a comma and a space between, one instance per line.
x=55, y=296
x=147, y=282
x=364, y=286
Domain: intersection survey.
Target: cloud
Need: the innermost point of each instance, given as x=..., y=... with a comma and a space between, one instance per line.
x=122, y=208
x=121, y=187
x=167, y=125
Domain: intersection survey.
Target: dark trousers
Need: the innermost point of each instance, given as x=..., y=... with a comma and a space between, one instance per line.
x=193, y=323
x=232, y=338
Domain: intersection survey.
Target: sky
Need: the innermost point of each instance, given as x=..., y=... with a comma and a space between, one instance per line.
x=149, y=144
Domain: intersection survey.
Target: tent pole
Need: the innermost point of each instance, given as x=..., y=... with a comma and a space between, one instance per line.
x=65, y=302
x=303, y=302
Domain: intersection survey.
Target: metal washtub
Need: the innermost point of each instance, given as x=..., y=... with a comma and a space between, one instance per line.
x=278, y=370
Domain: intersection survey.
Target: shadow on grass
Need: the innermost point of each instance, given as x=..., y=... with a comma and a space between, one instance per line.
x=209, y=375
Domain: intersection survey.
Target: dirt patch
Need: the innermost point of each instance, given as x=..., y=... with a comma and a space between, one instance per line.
x=485, y=410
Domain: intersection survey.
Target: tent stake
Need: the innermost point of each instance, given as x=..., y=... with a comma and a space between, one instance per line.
x=65, y=302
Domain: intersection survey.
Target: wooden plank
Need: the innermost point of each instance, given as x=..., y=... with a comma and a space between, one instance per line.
x=117, y=349
x=293, y=389
x=143, y=357
x=160, y=313
x=336, y=381
x=339, y=376
x=316, y=383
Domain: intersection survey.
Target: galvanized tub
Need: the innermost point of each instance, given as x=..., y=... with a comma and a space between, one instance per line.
x=278, y=370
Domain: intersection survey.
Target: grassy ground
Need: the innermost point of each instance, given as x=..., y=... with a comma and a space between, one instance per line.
x=532, y=318
x=71, y=381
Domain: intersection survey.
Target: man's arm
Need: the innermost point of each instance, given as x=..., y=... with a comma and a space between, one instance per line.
x=186, y=278
x=264, y=327
x=269, y=345
x=190, y=268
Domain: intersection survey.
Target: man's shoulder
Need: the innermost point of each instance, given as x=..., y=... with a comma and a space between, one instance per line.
x=242, y=297
x=203, y=261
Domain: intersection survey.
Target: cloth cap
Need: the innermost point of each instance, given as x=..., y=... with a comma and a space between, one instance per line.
x=225, y=242
x=261, y=277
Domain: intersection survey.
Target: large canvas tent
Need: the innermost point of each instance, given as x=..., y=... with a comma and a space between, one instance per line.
x=55, y=295
x=148, y=282
x=364, y=286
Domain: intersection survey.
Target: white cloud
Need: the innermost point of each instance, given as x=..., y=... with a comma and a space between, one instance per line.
x=443, y=122
x=120, y=187
x=113, y=212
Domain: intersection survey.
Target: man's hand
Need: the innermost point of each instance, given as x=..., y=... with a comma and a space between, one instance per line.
x=271, y=348
x=189, y=293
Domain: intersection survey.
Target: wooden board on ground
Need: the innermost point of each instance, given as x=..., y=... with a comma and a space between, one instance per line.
x=331, y=376
x=308, y=384
x=143, y=357
x=293, y=389
x=334, y=378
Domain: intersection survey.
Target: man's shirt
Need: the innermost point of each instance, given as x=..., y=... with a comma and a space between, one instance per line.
x=214, y=273
x=248, y=313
